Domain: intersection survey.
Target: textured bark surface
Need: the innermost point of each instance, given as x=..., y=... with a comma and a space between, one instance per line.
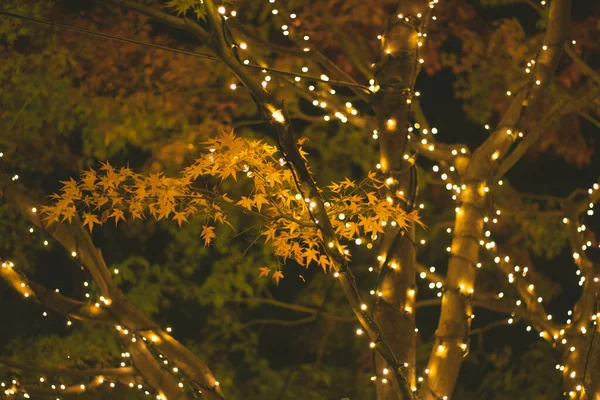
x=395, y=75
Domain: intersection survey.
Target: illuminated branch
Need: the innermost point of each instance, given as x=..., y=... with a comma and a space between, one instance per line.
x=586, y=305
x=50, y=298
x=325, y=62
x=487, y=156
x=74, y=238
x=393, y=88
x=64, y=390
x=431, y=149
x=276, y=116
x=492, y=325
x=79, y=373
x=524, y=289
x=582, y=351
x=434, y=151
x=425, y=273
x=475, y=173
x=560, y=109
x=154, y=375
x=492, y=302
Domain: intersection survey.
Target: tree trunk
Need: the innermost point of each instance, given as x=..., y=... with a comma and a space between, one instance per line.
x=396, y=291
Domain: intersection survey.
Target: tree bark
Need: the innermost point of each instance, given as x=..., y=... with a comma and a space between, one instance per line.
x=394, y=84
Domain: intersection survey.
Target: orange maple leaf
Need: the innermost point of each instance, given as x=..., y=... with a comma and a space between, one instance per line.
x=277, y=275
x=208, y=234
x=264, y=271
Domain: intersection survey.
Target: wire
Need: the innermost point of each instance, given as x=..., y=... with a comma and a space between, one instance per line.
x=172, y=49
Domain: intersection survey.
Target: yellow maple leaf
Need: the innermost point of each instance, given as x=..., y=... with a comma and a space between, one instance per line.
x=310, y=255
x=324, y=262
x=264, y=271
x=208, y=234
x=117, y=214
x=347, y=183
x=90, y=220
x=259, y=200
x=270, y=233
x=68, y=213
x=88, y=181
x=180, y=217
x=245, y=202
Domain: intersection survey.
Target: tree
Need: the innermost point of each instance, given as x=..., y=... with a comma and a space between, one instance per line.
x=258, y=70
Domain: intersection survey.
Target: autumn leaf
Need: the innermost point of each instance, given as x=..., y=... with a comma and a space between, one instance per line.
x=117, y=214
x=90, y=220
x=347, y=183
x=277, y=275
x=226, y=198
x=260, y=199
x=310, y=255
x=324, y=262
x=208, y=234
x=88, y=180
x=245, y=202
x=270, y=233
x=180, y=217
x=264, y=271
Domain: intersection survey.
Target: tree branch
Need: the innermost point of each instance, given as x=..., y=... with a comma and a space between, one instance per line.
x=295, y=307
x=487, y=156
x=582, y=64
x=74, y=238
x=176, y=22
x=68, y=390
x=79, y=373
x=59, y=303
x=560, y=108
x=274, y=113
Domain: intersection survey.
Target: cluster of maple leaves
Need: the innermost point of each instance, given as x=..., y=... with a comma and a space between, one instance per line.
x=358, y=212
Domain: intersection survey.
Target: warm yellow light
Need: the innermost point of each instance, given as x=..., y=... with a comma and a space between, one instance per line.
x=391, y=124
x=441, y=350
x=278, y=116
